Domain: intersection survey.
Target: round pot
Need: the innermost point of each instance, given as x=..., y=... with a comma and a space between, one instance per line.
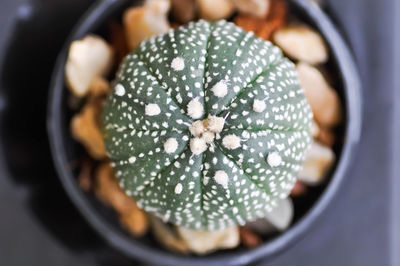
x=104, y=221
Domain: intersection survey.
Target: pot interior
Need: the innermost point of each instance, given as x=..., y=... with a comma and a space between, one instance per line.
x=74, y=151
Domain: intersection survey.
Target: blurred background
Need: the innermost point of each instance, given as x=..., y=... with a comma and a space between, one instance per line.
x=40, y=226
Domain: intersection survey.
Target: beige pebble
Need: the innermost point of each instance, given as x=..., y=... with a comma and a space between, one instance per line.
x=145, y=21
x=319, y=160
x=324, y=100
x=202, y=242
x=256, y=8
x=279, y=219
x=215, y=9
x=302, y=43
x=88, y=58
x=281, y=216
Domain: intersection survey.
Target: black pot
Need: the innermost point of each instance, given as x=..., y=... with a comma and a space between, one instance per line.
x=65, y=150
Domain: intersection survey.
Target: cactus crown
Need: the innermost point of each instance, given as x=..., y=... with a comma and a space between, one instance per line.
x=207, y=125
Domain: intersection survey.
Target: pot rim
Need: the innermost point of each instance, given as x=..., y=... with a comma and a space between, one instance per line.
x=131, y=246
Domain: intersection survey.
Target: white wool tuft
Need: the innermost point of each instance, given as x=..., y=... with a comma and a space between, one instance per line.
x=220, y=89
x=215, y=123
x=178, y=188
x=198, y=146
x=178, y=64
x=171, y=145
x=221, y=178
x=208, y=136
x=274, y=159
x=152, y=109
x=132, y=159
x=119, y=90
x=195, y=109
x=231, y=142
x=259, y=106
x=197, y=128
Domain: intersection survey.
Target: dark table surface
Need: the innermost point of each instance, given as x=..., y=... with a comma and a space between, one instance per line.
x=39, y=225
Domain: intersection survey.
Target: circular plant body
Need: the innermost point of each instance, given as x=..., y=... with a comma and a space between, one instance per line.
x=207, y=126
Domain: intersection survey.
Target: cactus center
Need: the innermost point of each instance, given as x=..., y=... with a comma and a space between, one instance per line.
x=204, y=132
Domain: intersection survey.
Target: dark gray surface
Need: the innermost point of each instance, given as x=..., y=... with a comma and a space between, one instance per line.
x=40, y=227
x=395, y=233
x=355, y=230
x=25, y=237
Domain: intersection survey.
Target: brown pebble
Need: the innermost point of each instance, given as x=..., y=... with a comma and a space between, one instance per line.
x=85, y=175
x=326, y=136
x=264, y=28
x=299, y=189
x=183, y=11
x=86, y=129
x=108, y=190
x=118, y=41
x=249, y=238
x=99, y=88
x=166, y=236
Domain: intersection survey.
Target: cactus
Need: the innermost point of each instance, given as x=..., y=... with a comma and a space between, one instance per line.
x=206, y=126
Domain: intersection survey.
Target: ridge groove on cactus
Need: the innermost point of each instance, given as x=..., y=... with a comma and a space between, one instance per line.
x=207, y=125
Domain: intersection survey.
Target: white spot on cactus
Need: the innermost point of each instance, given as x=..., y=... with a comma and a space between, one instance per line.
x=152, y=109
x=231, y=142
x=220, y=89
x=215, y=123
x=132, y=159
x=195, y=109
x=119, y=90
x=197, y=128
x=178, y=188
x=274, y=159
x=235, y=210
x=208, y=136
x=198, y=146
x=259, y=106
x=178, y=64
x=170, y=145
x=221, y=178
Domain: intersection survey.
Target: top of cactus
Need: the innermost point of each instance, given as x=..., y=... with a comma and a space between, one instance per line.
x=207, y=125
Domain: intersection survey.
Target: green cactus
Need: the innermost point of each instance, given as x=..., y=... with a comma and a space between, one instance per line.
x=207, y=126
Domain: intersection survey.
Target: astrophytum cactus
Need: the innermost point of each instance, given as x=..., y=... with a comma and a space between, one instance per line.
x=206, y=126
